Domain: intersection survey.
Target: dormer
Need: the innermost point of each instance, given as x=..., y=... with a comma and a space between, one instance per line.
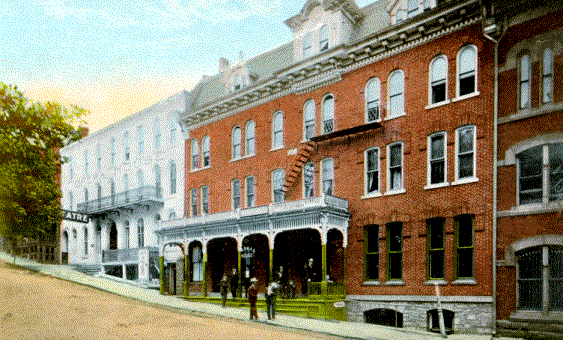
x=401, y=10
x=235, y=77
x=322, y=25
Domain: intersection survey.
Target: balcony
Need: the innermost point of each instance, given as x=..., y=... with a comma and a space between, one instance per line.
x=143, y=196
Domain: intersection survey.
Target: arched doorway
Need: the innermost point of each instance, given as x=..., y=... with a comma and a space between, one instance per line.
x=335, y=256
x=255, y=260
x=64, y=248
x=113, y=236
x=222, y=258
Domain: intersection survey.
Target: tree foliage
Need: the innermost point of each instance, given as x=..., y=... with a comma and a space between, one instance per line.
x=31, y=134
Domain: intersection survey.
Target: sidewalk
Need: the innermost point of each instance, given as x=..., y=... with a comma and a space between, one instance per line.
x=345, y=329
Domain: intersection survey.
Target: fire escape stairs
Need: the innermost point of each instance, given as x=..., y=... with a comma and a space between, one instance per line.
x=299, y=159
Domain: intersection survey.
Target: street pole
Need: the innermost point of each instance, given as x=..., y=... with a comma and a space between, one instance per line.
x=440, y=312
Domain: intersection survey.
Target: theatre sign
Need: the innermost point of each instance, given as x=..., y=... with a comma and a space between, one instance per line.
x=75, y=216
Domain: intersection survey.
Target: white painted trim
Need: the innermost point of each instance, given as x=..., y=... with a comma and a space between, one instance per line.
x=422, y=298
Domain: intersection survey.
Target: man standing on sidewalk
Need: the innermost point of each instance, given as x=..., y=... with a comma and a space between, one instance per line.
x=271, y=293
x=224, y=289
x=252, y=298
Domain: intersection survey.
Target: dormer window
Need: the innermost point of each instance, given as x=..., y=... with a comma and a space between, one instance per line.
x=401, y=10
x=307, y=46
x=323, y=38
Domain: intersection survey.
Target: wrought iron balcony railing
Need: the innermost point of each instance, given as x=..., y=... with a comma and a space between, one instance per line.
x=144, y=195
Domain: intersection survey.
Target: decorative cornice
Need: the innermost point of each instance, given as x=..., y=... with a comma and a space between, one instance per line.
x=296, y=21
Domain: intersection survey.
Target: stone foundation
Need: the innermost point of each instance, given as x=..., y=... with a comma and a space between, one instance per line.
x=472, y=314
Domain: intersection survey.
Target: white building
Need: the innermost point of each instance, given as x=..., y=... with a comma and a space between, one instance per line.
x=127, y=177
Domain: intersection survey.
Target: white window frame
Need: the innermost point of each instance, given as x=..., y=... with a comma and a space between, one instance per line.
x=307, y=50
x=399, y=94
x=277, y=131
x=250, y=138
x=524, y=78
x=141, y=233
x=324, y=43
x=432, y=81
x=329, y=113
x=312, y=183
x=126, y=147
x=158, y=180
x=236, y=142
x=86, y=163
x=206, y=152
x=250, y=192
x=204, y=190
x=327, y=174
x=112, y=151
x=70, y=201
x=193, y=202
x=173, y=127
x=140, y=140
x=373, y=99
x=309, y=119
x=468, y=179
x=98, y=157
x=429, y=161
x=367, y=172
x=157, y=134
x=278, y=179
x=235, y=194
x=401, y=188
x=194, y=152
x=173, y=178
x=547, y=74
x=475, y=73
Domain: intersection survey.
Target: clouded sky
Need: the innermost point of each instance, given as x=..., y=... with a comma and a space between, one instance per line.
x=117, y=57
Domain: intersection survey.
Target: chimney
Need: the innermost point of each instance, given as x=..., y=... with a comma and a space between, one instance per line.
x=223, y=64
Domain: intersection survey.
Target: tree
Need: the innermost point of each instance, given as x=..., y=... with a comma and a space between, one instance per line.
x=31, y=135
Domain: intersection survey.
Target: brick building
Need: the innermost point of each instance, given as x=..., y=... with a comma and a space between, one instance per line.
x=363, y=144
x=529, y=163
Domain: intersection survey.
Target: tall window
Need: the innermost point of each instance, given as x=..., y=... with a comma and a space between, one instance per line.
x=85, y=241
x=112, y=192
x=540, y=174
x=98, y=157
x=435, y=246
x=308, y=180
x=197, y=264
x=235, y=187
x=157, y=181
x=327, y=176
x=307, y=45
x=141, y=232
x=395, y=251
x=112, y=150
x=467, y=71
x=309, y=119
x=193, y=200
x=323, y=38
x=157, y=135
x=140, y=179
x=126, y=147
x=328, y=114
x=524, y=84
x=70, y=204
x=172, y=178
x=85, y=195
x=438, y=79
x=278, y=195
x=371, y=251
x=372, y=100
x=547, y=76
x=205, y=200
x=250, y=138
x=372, y=170
x=437, y=158
x=206, y=152
x=173, y=127
x=140, y=140
x=126, y=232
x=86, y=165
x=396, y=93
x=195, y=154
x=70, y=167
x=126, y=187
x=277, y=131
x=464, y=246
x=395, y=163
x=465, y=149
x=99, y=189
x=236, y=142
x=250, y=198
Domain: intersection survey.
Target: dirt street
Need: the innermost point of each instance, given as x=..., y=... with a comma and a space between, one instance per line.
x=36, y=306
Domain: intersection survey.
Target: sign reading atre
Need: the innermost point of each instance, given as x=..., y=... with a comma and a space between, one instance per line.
x=75, y=216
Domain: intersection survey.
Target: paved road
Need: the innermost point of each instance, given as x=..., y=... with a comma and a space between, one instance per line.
x=37, y=306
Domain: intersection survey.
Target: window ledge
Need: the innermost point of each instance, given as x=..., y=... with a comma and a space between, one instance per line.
x=466, y=180
x=532, y=208
x=277, y=148
x=399, y=115
x=470, y=282
x=436, y=282
x=372, y=121
x=395, y=192
x=394, y=283
x=198, y=169
x=235, y=159
x=436, y=186
x=371, y=195
x=531, y=112
x=467, y=96
x=371, y=283
x=442, y=103
x=249, y=155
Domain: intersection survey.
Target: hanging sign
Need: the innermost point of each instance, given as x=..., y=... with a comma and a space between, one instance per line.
x=75, y=216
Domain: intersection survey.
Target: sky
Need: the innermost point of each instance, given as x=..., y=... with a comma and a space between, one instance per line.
x=115, y=58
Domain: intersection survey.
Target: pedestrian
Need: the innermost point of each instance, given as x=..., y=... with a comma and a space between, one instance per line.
x=271, y=293
x=234, y=282
x=224, y=289
x=252, y=294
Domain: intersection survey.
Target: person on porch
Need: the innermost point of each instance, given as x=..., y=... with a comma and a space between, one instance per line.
x=252, y=293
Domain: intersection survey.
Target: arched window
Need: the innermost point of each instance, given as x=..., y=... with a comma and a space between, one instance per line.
x=157, y=181
x=236, y=142
x=323, y=38
x=141, y=232
x=524, y=83
x=547, y=76
x=172, y=178
x=277, y=130
x=372, y=100
x=195, y=154
x=250, y=138
x=328, y=114
x=205, y=151
x=396, y=93
x=467, y=71
x=438, y=79
x=309, y=119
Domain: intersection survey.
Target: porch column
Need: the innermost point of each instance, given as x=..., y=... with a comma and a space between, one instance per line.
x=204, y=273
x=161, y=276
x=239, y=276
x=124, y=272
x=271, y=261
x=186, y=266
x=323, y=258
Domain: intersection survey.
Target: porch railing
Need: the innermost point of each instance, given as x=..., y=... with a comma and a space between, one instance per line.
x=332, y=289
